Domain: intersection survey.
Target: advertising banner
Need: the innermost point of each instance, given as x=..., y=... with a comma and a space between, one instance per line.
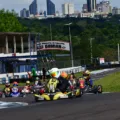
x=102, y=60
x=53, y=45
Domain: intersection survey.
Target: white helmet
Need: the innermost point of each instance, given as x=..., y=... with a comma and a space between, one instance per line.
x=54, y=72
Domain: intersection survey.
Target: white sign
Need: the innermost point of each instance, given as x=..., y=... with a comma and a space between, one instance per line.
x=102, y=60
x=53, y=45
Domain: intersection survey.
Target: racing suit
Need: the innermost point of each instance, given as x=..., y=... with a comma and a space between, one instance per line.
x=7, y=89
x=52, y=85
x=63, y=84
x=89, y=81
x=72, y=83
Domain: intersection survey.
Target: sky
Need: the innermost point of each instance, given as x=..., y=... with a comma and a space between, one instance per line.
x=18, y=5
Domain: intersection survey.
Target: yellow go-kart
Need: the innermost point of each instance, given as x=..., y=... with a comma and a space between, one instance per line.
x=53, y=94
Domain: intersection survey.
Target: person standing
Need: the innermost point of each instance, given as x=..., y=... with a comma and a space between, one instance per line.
x=44, y=74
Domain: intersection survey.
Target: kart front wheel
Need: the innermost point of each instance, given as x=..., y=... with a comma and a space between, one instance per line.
x=95, y=89
x=36, y=99
x=99, y=89
x=3, y=95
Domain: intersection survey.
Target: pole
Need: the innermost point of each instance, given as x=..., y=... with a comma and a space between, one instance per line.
x=118, y=53
x=51, y=36
x=71, y=50
x=91, y=50
x=30, y=45
x=50, y=32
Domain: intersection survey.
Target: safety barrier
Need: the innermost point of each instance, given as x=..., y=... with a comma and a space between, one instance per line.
x=24, y=75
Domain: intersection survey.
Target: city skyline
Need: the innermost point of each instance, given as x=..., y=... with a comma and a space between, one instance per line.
x=20, y=4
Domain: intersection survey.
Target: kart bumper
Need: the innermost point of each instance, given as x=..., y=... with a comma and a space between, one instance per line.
x=50, y=96
x=56, y=96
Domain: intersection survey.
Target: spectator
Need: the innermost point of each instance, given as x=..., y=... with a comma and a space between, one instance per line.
x=44, y=74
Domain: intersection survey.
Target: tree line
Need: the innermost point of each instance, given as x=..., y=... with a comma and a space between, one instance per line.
x=103, y=32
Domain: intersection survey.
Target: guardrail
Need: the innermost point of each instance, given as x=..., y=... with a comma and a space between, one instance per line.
x=24, y=75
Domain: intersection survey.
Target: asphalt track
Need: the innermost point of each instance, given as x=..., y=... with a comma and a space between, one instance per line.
x=88, y=107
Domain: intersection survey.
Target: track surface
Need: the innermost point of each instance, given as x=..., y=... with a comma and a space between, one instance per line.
x=88, y=107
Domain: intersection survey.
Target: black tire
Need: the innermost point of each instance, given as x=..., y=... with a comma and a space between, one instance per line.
x=3, y=96
x=81, y=93
x=99, y=89
x=95, y=89
x=36, y=99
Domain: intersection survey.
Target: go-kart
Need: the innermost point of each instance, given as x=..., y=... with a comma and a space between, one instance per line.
x=12, y=92
x=55, y=94
x=27, y=90
x=86, y=88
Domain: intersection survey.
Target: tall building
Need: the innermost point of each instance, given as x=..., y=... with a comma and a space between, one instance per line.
x=33, y=8
x=24, y=13
x=116, y=11
x=68, y=8
x=91, y=5
x=50, y=7
x=84, y=8
x=104, y=6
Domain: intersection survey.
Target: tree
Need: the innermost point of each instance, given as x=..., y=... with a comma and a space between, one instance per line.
x=9, y=22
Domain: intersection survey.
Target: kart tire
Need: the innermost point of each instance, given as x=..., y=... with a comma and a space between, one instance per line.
x=22, y=95
x=36, y=99
x=99, y=89
x=95, y=89
x=81, y=93
x=3, y=96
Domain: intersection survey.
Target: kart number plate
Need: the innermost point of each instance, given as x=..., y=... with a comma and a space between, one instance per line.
x=64, y=96
x=40, y=98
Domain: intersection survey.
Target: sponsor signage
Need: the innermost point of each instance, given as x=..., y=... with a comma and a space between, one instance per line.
x=102, y=60
x=53, y=45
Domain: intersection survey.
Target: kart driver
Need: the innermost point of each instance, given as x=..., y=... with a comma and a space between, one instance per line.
x=28, y=85
x=72, y=81
x=37, y=82
x=53, y=82
x=7, y=88
x=62, y=78
x=88, y=80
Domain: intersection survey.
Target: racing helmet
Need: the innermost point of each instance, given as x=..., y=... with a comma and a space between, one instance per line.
x=15, y=83
x=64, y=75
x=81, y=79
x=37, y=78
x=86, y=73
x=28, y=82
x=54, y=72
x=7, y=85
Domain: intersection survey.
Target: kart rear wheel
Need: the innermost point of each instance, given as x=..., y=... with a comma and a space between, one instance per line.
x=99, y=88
x=95, y=89
x=3, y=95
x=36, y=99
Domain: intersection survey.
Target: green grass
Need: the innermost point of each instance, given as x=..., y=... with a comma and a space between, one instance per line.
x=110, y=83
x=20, y=84
x=78, y=74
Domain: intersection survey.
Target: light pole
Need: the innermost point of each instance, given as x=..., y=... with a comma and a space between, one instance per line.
x=118, y=52
x=91, y=50
x=71, y=50
x=51, y=32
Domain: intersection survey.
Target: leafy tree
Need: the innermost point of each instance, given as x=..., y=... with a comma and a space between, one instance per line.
x=9, y=22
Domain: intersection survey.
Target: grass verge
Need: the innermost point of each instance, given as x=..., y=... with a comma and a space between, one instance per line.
x=110, y=83
x=20, y=84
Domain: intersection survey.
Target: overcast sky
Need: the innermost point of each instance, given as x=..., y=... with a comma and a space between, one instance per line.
x=17, y=5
